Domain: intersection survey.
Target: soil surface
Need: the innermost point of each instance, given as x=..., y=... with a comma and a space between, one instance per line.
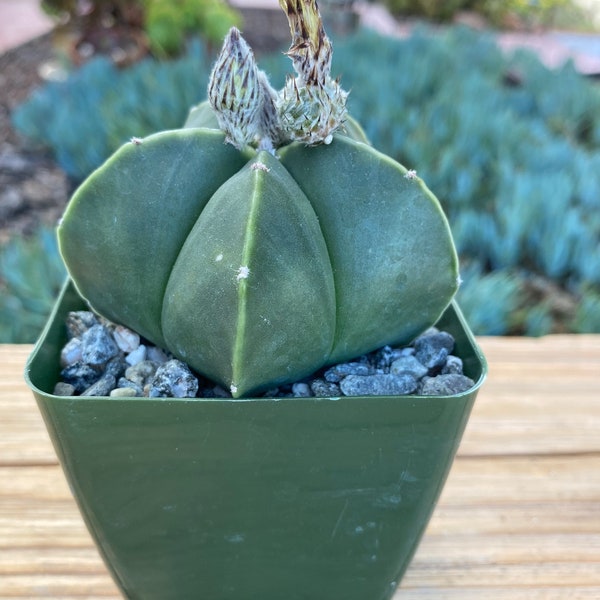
x=33, y=189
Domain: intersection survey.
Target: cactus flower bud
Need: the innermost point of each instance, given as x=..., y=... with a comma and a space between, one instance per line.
x=235, y=91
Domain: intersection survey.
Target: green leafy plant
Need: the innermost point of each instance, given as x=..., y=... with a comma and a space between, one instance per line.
x=439, y=10
x=258, y=261
x=498, y=12
x=31, y=275
x=168, y=24
x=125, y=29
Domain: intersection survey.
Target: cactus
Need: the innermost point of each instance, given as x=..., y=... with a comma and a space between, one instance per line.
x=261, y=260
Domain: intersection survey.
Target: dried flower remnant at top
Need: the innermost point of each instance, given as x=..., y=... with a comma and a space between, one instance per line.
x=311, y=106
x=311, y=49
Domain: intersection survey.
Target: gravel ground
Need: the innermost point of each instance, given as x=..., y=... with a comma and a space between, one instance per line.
x=33, y=190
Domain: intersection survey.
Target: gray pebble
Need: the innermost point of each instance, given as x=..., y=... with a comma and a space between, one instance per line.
x=115, y=367
x=383, y=358
x=336, y=373
x=325, y=389
x=446, y=385
x=71, y=352
x=173, y=380
x=124, y=383
x=381, y=384
x=219, y=392
x=156, y=354
x=453, y=365
x=78, y=322
x=432, y=349
x=141, y=373
x=80, y=376
x=98, y=346
x=301, y=390
x=408, y=364
x=102, y=387
x=64, y=389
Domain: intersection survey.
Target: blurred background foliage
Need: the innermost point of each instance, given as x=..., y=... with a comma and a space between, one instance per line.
x=511, y=148
x=499, y=13
x=126, y=30
x=31, y=275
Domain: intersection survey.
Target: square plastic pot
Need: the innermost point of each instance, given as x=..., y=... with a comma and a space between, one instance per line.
x=254, y=499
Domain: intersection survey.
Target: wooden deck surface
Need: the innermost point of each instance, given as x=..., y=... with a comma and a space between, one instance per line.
x=519, y=517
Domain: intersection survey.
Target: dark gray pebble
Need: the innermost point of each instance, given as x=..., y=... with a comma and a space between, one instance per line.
x=98, y=346
x=80, y=375
x=453, y=365
x=173, y=379
x=102, y=387
x=409, y=364
x=382, y=358
x=218, y=392
x=432, y=349
x=115, y=366
x=446, y=385
x=336, y=373
x=381, y=384
x=325, y=389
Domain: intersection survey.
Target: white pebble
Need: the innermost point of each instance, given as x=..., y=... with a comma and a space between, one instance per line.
x=127, y=340
x=123, y=393
x=137, y=356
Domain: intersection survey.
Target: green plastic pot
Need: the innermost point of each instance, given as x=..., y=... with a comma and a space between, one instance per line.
x=254, y=499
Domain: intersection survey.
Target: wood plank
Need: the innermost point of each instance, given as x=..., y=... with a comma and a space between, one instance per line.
x=506, y=593
x=23, y=435
x=541, y=397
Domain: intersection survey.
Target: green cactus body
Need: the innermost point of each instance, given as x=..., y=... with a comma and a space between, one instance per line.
x=389, y=243
x=258, y=260
x=125, y=226
x=259, y=266
x=258, y=272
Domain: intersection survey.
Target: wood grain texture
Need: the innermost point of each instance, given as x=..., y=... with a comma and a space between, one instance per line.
x=518, y=519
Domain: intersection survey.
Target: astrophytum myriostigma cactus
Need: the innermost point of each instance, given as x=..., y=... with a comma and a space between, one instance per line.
x=257, y=261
